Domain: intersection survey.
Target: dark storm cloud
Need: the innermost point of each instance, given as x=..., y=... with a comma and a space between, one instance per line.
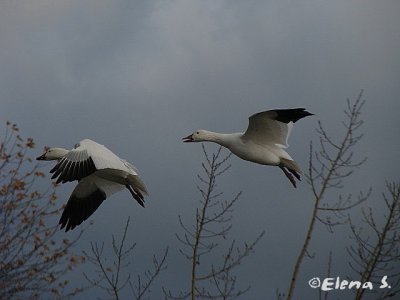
x=139, y=75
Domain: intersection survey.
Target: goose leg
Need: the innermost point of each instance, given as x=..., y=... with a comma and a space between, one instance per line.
x=288, y=175
x=295, y=174
x=137, y=195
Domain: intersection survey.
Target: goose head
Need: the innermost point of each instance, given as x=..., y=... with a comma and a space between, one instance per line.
x=199, y=136
x=53, y=154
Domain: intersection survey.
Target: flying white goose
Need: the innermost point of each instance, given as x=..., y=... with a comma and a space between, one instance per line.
x=263, y=142
x=100, y=173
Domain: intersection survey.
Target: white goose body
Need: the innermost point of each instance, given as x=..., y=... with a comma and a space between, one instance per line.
x=100, y=173
x=263, y=154
x=263, y=142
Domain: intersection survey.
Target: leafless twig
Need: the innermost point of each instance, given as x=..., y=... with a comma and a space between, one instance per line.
x=328, y=168
x=378, y=254
x=109, y=277
x=213, y=221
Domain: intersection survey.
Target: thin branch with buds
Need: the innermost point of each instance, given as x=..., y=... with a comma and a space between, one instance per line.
x=32, y=260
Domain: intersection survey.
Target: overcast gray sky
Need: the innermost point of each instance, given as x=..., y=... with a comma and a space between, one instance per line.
x=137, y=76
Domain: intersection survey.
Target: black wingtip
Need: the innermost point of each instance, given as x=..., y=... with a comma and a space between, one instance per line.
x=291, y=115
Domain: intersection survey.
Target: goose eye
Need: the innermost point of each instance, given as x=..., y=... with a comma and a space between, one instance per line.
x=197, y=132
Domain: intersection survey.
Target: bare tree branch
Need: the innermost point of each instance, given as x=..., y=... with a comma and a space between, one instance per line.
x=109, y=277
x=213, y=222
x=327, y=169
x=376, y=256
x=33, y=260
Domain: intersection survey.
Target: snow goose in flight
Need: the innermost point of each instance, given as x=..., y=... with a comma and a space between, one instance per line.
x=264, y=141
x=100, y=173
